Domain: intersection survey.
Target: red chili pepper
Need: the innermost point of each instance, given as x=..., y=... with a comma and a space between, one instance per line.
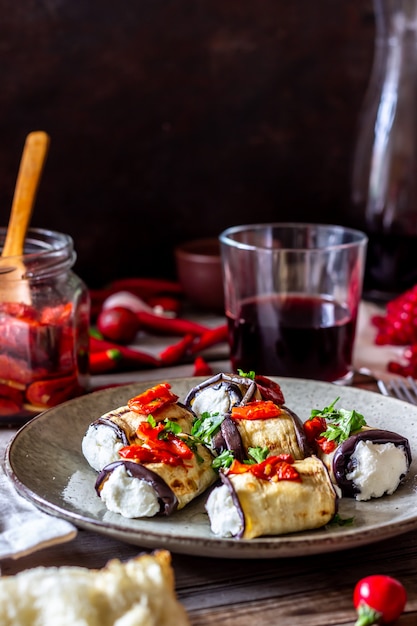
x=174, y=353
x=378, y=599
x=166, y=303
x=153, y=399
x=274, y=468
x=53, y=391
x=211, y=337
x=130, y=356
x=104, y=361
x=257, y=410
x=201, y=367
x=144, y=288
x=169, y=325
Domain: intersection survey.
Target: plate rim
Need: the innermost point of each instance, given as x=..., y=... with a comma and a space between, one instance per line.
x=290, y=545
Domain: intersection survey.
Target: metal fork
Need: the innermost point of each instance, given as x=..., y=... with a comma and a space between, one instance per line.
x=403, y=389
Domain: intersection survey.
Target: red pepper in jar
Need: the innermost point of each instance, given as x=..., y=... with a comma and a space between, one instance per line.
x=52, y=391
x=16, y=370
x=56, y=315
x=11, y=399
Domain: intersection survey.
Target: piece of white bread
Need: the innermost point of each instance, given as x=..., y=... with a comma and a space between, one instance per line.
x=139, y=592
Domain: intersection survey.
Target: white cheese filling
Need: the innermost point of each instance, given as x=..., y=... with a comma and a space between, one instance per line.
x=224, y=516
x=100, y=446
x=212, y=401
x=378, y=468
x=131, y=497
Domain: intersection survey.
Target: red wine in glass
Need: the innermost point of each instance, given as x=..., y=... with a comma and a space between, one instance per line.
x=293, y=335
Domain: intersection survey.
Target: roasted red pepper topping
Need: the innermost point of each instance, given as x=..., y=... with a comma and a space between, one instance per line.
x=159, y=446
x=257, y=410
x=156, y=437
x=270, y=390
x=145, y=455
x=274, y=468
x=152, y=400
x=313, y=429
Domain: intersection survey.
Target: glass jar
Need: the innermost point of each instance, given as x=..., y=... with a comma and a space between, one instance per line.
x=384, y=185
x=44, y=324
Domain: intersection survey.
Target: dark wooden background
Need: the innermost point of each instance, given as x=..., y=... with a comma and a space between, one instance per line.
x=171, y=120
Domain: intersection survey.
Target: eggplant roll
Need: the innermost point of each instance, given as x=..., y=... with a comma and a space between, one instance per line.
x=369, y=464
x=245, y=506
x=116, y=429
x=146, y=489
x=283, y=434
x=220, y=393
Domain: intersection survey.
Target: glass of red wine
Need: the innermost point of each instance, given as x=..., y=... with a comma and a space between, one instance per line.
x=292, y=293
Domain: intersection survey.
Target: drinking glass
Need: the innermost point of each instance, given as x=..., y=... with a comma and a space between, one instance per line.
x=292, y=293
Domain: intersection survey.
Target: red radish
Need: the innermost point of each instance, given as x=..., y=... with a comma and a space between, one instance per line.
x=118, y=324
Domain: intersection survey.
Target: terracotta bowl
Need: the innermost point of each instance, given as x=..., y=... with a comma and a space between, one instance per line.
x=200, y=273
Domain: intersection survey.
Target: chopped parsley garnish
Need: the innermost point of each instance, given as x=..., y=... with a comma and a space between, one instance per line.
x=151, y=420
x=223, y=460
x=340, y=422
x=206, y=426
x=340, y=521
x=258, y=454
x=250, y=374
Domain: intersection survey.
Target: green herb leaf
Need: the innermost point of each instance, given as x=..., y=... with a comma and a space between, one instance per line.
x=151, y=420
x=206, y=427
x=340, y=521
x=258, y=454
x=340, y=422
x=224, y=460
x=250, y=374
x=172, y=427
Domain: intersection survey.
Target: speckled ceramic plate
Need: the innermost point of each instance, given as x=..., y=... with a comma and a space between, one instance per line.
x=46, y=465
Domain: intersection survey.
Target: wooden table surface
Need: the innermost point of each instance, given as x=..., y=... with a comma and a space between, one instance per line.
x=302, y=591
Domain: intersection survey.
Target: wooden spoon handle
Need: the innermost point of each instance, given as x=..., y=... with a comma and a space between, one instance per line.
x=30, y=171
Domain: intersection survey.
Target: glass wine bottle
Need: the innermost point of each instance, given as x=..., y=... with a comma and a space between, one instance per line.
x=384, y=183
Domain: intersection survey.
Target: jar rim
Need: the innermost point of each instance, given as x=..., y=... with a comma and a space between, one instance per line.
x=45, y=252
